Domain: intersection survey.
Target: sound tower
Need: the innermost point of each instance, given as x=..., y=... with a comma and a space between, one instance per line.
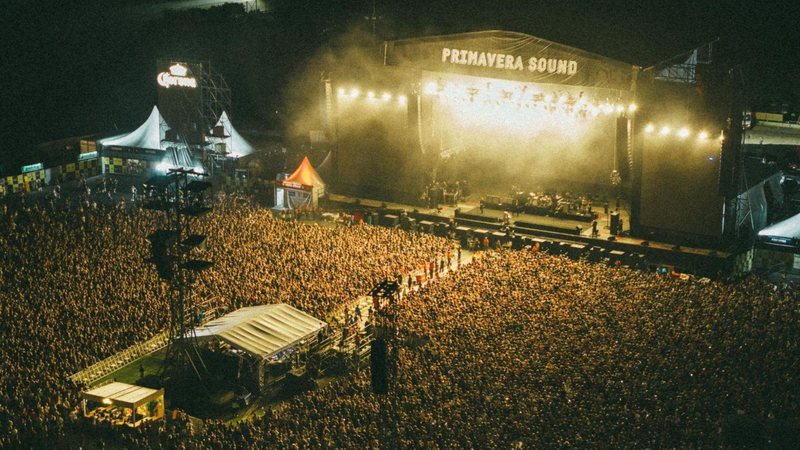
x=377, y=360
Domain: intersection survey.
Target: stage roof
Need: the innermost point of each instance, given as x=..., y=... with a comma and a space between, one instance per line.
x=509, y=55
x=149, y=135
x=122, y=394
x=235, y=143
x=262, y=330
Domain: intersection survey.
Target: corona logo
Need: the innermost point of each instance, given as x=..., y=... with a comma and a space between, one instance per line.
x=176, y=77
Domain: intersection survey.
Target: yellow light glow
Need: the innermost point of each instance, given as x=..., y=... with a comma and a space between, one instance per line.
x=665, y=130
x=402, y=99
x=340, y=92
x=608, y=108
x=620, y=109
x=106, y=401
x=684, y=132
x=703, y=135
x=649, y=128
x=354, y=92
x=386, y=96
x=430, y=88
x=370, y=94
x=632, y=107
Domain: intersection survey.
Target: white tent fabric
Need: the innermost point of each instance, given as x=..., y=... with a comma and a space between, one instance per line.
x=125, y=394
x=235, y=144
x=149, y=135
x=262, y=330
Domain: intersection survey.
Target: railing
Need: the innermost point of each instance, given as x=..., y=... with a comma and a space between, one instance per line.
x=118, y=360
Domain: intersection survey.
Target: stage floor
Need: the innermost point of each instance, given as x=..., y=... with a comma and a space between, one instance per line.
x=603, y=220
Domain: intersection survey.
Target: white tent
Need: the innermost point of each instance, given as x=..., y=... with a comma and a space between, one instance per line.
x=264, y=330
x=235, y=144
x=149, y=135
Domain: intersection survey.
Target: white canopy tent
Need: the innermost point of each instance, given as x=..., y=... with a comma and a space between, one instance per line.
x=262, y=331
x=149, y=134
x=224, y=133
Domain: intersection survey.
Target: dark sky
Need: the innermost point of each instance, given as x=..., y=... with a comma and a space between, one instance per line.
x=79, y=67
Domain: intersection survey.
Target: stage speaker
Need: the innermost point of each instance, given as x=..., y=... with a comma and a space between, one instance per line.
x=616, y=224
x=378, y=369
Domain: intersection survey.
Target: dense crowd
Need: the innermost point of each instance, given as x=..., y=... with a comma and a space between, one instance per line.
x=518, y=349
x=77, y=287
x=526, y=350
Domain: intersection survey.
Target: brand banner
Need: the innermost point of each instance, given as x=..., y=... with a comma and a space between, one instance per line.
x=514, y=56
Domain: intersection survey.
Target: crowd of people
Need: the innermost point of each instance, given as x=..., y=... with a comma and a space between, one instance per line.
x=77, y=286
x=518, y=349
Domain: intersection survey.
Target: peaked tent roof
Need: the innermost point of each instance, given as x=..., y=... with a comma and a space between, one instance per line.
x=306, y=175
x=235, y=143
x=149, y=135
x=262, y=330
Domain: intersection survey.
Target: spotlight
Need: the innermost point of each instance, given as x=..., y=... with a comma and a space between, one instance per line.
x=340, y=91
x=608, y=108
x=665, y=130
x=632, y=107
x=684, y=132
x=354, y=92
x=703, y=135
x=649, y=128
x=386, y=96
x=620, y=109
x=402, y=99
x=370, y=95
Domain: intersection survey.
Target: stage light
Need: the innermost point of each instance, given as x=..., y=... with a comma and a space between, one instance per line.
x=430, y=88
x=354, y=92
x=649, y=128
x=340, y=91
x=703, y=135
x=620, y=109
x=386, y=96
x=370, y=95
x=402, y=99
x=106, y=401
x=665, y=130
x=632, y=107
x=608, y=108
x=684, y=132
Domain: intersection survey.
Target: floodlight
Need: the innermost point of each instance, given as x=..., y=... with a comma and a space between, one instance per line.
x=684, y=132
x=402, y=99
x=386, y=96
x=620, y=109
x=340, y=91
x=632, y=107
x=649, y=128
x=370, y=95
x=354, y=92
x=703, y=135
x=665, y=130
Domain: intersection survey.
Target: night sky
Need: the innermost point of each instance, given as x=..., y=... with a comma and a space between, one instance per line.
x=86, y=68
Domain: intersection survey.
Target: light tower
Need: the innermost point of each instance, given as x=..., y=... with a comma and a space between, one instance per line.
x=180, y=195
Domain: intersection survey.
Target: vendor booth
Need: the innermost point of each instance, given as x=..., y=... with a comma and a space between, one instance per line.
x=123, y=404
x=302, y=189
x=270, y=339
